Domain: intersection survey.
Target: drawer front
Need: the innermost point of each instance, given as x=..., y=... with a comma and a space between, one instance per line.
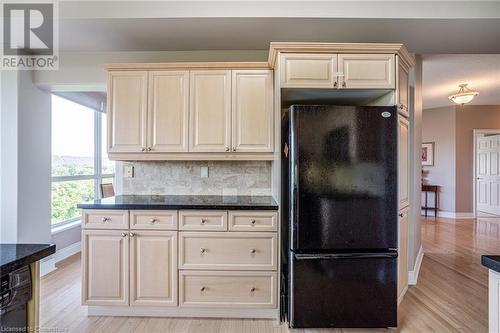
x=227, y=289
x=253, y=221
x=308, y=70
x=105, y=219
x=227, y=251
x=205, y=220
x=153, y=219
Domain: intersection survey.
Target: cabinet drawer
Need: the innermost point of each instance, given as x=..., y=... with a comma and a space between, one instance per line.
x=233, y=251
x=153, y=219
x=227, y=289
x=105, y=219
x=253, y=221
x=203, y=220
x=308, y=70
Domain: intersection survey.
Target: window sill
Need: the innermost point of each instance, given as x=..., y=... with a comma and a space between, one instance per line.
x=58, y=229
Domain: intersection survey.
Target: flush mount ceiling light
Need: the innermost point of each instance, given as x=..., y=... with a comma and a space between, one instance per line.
x=464, y=95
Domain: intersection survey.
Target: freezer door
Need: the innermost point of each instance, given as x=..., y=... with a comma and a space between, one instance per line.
x=343, y=178
x=343, y=291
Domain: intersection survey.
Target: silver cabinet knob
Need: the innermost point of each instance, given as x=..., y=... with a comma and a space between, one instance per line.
x=106, y=219
x=149, y=149
x=153, y=221
x=132, y=234
x=203, y=221
x=253, y=251
x=203, y=288
x=124, y=234
x=344, y=84
x=202, y=250
x=143, y=149
x=335, y=84
x=234, y=148
x=401, y=214
x=227, y=148
x=253, y=289
x=253, y=222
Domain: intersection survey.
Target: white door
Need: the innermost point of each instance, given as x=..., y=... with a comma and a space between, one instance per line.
x=488, y=174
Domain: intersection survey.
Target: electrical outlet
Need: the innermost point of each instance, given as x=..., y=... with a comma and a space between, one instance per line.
x=204, y=172
x=128, y=171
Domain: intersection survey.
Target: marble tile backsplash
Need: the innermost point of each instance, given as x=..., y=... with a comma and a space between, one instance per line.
x=184, y=178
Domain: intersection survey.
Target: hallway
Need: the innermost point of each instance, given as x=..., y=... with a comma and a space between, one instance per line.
x=451, y=295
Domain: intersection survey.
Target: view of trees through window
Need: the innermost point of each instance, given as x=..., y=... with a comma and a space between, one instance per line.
x=79, y=160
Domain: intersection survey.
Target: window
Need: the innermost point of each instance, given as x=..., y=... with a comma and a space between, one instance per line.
x=79, y=160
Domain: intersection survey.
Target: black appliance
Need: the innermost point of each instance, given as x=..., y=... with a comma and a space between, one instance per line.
x=339, y=216
x=15, y=292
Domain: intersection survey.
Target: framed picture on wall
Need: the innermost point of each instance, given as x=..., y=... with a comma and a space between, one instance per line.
x=428, y=154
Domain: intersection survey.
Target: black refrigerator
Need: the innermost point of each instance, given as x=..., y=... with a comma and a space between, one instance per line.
x=339, y=221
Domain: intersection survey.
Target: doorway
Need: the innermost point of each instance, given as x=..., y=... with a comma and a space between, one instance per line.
x=486, y=173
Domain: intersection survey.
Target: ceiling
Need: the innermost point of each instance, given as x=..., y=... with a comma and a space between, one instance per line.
x=182, y=34
x=443, y=73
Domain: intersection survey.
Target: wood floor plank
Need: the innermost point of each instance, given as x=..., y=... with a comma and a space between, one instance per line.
x=451, y=294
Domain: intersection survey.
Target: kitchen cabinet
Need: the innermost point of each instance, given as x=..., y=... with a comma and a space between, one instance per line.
x=105, y=219
x=403, y=162
x=168, y=111
x=252, y=111
x=308, y=70
x=402, y=253
x=153, y=268
x=127, y=107
x=105, y=267
x=367, y=71
x=153, y=219
x=210, y=111
x=403, y=87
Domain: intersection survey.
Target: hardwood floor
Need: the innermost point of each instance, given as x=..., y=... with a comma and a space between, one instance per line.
x=451, y=294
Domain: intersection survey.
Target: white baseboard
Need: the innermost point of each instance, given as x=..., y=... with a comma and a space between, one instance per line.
x=453, y=215
x=150, y=311
x=413, y=274
x=49, y=265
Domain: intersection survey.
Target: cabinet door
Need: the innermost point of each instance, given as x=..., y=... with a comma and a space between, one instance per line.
x=308, y=70
x=252, y=106
x=168, y=111
x=105, y=267
x=367, y=71
x=402, y=253
x=127, y=105
x=403, y=162
x=403, y=88
x=153, y=268
x=210, y=111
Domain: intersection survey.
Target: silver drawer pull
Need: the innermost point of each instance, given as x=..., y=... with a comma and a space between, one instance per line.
x=153, y=221
x=253, y=222
x=132, y=234
x=203, y=288
x=202, y=250
x=253, y=251
x=106, y=219
x=253, y=289
x=124, y=234
x=203, y=221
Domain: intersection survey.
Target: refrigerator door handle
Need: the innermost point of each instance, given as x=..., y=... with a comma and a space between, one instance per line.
x=382, y=255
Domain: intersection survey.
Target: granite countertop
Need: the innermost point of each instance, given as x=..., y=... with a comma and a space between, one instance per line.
x=183, y=202
x=14, y=256
x=491, y=261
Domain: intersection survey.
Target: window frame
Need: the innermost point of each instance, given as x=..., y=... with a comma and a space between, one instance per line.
x=97, y=176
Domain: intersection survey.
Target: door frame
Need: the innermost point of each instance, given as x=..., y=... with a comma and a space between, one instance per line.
x=475, y=135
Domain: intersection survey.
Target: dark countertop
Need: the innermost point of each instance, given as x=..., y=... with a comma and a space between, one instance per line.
x=183, y=202
x=492, y=262
x=14, y=256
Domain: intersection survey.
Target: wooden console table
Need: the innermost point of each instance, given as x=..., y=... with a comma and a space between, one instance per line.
x=433, y=189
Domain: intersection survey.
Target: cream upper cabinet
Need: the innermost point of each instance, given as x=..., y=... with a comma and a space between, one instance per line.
x=402, y=253
x=127, y=107
x=105, y=266
x=210, y=111
x=367, y=71
x=168, y=111
x=308, y=70
x=252, y=111
x=403, y=88
x=403, y=162
x=153, y=268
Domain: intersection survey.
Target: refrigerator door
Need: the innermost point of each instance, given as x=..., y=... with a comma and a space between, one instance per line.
x=342, y=291
x=343, y=178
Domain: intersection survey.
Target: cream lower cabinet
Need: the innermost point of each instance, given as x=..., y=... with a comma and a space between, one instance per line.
x=402, y=253
x=403, y=162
